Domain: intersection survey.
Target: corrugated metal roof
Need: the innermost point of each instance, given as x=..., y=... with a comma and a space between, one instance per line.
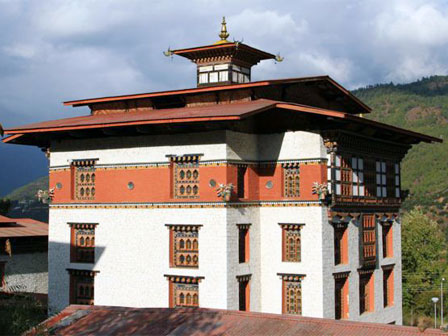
x=22, y=227
x=100, y=320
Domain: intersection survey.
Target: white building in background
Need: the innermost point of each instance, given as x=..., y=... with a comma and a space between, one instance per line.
x=271, y=196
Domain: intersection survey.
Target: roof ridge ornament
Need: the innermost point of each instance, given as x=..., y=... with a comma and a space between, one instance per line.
x=223, y=34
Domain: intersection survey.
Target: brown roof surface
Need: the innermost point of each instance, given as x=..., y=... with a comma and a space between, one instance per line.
x=22, y=227
x=184, y=114
x=218, y=112
x=101, y=320
x=327, y=79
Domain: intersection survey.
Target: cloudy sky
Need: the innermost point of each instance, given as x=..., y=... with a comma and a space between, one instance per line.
x=57, y=50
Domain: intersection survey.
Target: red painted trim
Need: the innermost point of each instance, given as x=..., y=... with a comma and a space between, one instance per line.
x=13, y=137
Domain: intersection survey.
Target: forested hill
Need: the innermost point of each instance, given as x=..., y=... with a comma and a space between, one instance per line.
x=420, y=106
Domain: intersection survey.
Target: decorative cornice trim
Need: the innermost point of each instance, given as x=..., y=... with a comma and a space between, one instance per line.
x=291, y=277
x=73, y=271
x=183, y=278
x=176, y=205
x=201, y=163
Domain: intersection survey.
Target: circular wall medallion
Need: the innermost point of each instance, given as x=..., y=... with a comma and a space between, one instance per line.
x=59, y=185
x=212, y=183
x=269, y=184
x=131, y=185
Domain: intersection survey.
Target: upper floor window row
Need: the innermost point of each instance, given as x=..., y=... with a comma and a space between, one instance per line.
x=361, y=177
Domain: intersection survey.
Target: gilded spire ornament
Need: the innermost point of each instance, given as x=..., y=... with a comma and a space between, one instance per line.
x=223, y=34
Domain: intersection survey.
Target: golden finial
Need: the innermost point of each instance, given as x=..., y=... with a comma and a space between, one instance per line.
x=224, y=34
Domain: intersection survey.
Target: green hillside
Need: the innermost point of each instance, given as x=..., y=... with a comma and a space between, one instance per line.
x=28, y=191
x=421, y=106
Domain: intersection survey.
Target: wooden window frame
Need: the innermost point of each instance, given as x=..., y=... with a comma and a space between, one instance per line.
x=243, y=243
x=340, y=243
x=83, y=278
x=341, y=289
x=366, y=291
x=295, y=233
x=387, y=239
x=397, y=180
x=185, y=176
x=291, y=180
x=244, y=292
x=84, y=178
x=191, y=233
x=381, y=178
x=178, y=285
x=388, y=286
x=82, y=254
x=368, y=240
x=358, y=179
x=294, y=281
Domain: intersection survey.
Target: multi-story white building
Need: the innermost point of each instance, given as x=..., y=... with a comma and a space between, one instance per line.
x=271, y=196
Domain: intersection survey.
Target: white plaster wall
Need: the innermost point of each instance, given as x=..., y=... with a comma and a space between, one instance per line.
x=141, y=149
x=26, y=272
x=277, y=146
x=132, y=255
x=311, y=264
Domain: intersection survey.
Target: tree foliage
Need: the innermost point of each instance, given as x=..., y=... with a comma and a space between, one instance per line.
x=423, y=261
x=5, y=204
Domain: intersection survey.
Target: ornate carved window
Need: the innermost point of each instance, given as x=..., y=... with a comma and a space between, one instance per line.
x=292, y=294
x=291, y=242
x=388, y=286
x=366, y=292
x=291, y=180
x=368, y=240
x=381, y=179
x=243, y=243
x=82, y=287
x=184, y=291
x=82, y=243
x=341, y=295
x=84, y=179
x=184, y=245
x=185, y=176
